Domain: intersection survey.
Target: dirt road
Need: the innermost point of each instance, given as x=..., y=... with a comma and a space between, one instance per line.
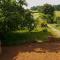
x=32, y=51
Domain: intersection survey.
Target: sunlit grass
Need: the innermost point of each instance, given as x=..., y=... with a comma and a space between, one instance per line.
x=54, y=31
x=56, y=26
x=57, y=13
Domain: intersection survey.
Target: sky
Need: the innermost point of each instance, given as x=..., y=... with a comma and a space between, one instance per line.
x=41, y=2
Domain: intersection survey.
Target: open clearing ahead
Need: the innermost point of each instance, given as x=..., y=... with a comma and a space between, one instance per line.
x=32, y=51
x=55, y=32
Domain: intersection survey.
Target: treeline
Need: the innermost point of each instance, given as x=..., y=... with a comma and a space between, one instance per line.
x=39, y=8
x=57, y=7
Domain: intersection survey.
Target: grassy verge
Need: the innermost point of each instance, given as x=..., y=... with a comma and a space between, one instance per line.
x=54, y=31
x=14, y=38
x=56, y=26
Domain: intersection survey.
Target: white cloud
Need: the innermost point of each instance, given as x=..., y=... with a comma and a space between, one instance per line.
x=41, y=2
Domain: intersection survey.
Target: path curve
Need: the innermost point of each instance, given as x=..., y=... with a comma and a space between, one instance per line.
x=54, y=32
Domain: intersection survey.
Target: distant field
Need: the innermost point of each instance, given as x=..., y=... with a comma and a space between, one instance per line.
x=57, y=13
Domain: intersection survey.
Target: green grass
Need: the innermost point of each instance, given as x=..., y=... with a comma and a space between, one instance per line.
x=13, y=38
x=57, y=26
x=54, y=31
x=57, y=13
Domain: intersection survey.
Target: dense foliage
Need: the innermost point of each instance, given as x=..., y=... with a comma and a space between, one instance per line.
x=48, y=10
x=57, y=7
x=13, y=16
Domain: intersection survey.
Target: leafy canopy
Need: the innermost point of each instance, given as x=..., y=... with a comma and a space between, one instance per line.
x=13, y=15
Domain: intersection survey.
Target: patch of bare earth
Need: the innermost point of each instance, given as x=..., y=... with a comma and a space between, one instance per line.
x=32, y=51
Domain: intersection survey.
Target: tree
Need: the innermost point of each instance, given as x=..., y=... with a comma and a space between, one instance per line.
x=9, y=15
x=48, y=10
x=34, y=8
x=37, y=8
x=29, y=21
x=13, y=15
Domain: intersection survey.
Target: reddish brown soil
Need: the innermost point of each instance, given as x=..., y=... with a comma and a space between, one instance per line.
x=32, y=51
